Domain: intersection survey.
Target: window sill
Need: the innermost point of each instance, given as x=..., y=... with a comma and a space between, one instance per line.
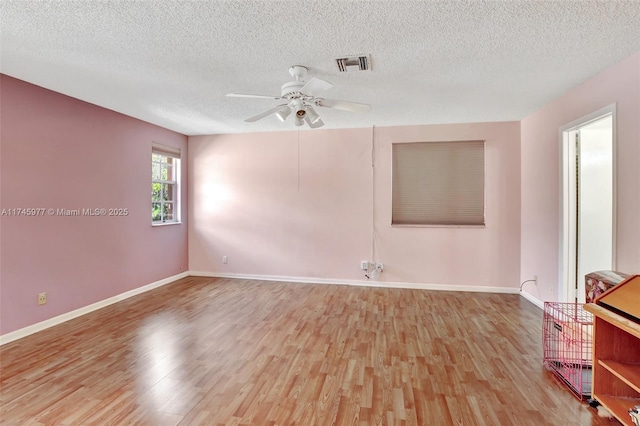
x=165, y=224
x=436, y=226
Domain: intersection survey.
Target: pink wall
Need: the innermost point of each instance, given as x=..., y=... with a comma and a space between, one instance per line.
x=59, y=152
x=541, y=179
x=251, y=200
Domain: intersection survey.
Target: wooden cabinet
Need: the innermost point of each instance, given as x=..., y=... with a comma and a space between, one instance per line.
x=616, y=348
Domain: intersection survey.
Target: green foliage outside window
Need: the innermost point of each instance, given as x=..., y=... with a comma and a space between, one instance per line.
x=163, y=188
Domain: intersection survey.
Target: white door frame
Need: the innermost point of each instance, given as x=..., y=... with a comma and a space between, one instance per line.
x=567, y=269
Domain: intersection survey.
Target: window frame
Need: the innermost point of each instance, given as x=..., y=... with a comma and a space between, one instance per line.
x=172, y=158
x=399, y=208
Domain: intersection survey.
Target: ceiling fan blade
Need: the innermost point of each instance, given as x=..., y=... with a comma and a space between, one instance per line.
x=314, y=124
x=315, y=86
x=343, y=105
x=264, y=114
x=243, y=95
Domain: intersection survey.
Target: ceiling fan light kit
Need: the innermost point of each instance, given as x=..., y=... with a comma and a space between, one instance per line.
x=312, y=115
x=283, y=113
x=301, y=96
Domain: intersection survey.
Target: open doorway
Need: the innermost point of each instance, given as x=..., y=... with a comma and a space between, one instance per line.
x=588, y=201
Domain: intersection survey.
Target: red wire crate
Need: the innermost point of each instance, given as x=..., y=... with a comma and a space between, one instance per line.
x=567, y=341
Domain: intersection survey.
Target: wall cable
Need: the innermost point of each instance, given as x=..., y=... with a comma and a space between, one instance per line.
x=377, y=268
x=298, y=160
x=373, y=195
x=526, y=281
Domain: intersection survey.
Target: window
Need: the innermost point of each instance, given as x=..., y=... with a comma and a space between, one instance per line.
x=438, y=183
x=165, y=182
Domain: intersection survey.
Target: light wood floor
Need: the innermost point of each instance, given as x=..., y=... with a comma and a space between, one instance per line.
x=205, y=351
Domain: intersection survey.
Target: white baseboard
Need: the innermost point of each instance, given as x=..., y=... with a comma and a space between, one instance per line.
x=362, y=283
x=26, y=331
x=539, y=303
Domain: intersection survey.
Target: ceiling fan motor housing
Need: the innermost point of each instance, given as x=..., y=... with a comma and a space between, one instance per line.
x=291, y=87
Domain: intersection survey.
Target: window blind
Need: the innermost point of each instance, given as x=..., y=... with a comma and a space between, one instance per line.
x=438, y=183
x=165, y=150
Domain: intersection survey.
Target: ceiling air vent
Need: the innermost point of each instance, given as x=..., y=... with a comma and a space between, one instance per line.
x=354, y=63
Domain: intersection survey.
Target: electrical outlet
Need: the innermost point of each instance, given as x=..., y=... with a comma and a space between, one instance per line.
x=364, y=265
x=42, y=298
x=225, y=259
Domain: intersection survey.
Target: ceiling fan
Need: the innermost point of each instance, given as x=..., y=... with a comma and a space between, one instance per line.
x=300, y=97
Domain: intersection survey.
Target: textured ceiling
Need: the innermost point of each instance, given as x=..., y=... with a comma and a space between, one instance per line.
x=172, y=62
